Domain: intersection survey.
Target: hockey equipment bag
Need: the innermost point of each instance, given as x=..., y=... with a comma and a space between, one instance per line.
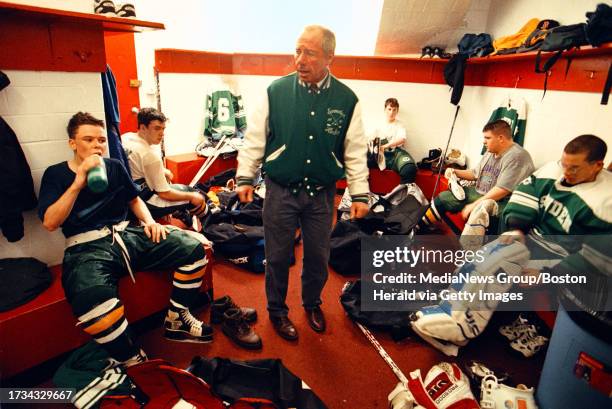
x=396, y=322
x=220, y=179
x=241, y=244
x=265, y=379
x=383, y=218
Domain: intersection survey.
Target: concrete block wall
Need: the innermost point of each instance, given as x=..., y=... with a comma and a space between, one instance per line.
x=424, y=108
x=37, y=106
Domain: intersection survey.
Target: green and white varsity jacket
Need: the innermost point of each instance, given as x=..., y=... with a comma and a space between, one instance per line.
x=307, y=138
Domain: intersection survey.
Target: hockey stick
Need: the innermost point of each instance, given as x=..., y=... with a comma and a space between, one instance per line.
x=208, y=162
x=433, y=194
x=396, y=370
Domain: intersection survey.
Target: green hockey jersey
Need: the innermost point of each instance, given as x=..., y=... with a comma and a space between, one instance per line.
x=574, y=219
x=224, y=114
x=514, y=112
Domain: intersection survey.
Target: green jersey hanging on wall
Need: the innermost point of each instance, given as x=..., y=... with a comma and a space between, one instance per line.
x=514, y=112
x=224, y=114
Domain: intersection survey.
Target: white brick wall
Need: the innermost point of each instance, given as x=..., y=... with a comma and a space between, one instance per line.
x=37, y=105
x=424, y=108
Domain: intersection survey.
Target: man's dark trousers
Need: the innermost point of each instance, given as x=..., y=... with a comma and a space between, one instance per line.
x=283, y=211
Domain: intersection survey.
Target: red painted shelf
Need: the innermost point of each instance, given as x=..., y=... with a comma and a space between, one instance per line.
x=587, y=72
x=11, y=10
x=583, y=51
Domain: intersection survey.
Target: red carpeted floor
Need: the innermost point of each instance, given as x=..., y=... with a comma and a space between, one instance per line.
x=340, y=365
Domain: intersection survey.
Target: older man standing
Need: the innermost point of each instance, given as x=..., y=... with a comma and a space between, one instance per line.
x=308, y=133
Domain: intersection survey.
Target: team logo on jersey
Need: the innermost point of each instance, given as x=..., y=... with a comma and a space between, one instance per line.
x=335, y=121
x=557, y=210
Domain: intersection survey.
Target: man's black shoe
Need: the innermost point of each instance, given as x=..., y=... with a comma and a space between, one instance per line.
x=284, y=327
x=316, y=319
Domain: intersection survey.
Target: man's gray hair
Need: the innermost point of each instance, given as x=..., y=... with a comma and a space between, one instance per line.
x=329, y=38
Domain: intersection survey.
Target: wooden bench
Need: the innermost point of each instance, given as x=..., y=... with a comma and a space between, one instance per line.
x=45, y=327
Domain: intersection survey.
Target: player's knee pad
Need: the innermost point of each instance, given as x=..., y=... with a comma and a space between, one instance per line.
x=105, y=322
x=498, y=262
x=443, y=324
x=408, y=173
x=462, y=313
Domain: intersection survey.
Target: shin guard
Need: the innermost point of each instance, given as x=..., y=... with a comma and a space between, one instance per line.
x=460, y=320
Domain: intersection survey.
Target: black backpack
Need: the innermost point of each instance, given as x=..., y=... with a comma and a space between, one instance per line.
x=396, y=322
x=599, y=25
x=235, y=212
x=239, y=244
x=345, y=242
x=598, y=31
x=559, y=39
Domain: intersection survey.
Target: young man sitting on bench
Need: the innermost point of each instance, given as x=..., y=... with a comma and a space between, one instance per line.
x=558, y=224
x=148, y=172
x=391, y=140
x=501, y=168
x=101, y=246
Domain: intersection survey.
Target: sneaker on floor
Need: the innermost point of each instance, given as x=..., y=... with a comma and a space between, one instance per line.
x=181, y=326
x=516, y=328
x=105, y=7
x=529, y=344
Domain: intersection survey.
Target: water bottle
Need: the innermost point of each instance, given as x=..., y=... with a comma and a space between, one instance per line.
x=97, y=180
